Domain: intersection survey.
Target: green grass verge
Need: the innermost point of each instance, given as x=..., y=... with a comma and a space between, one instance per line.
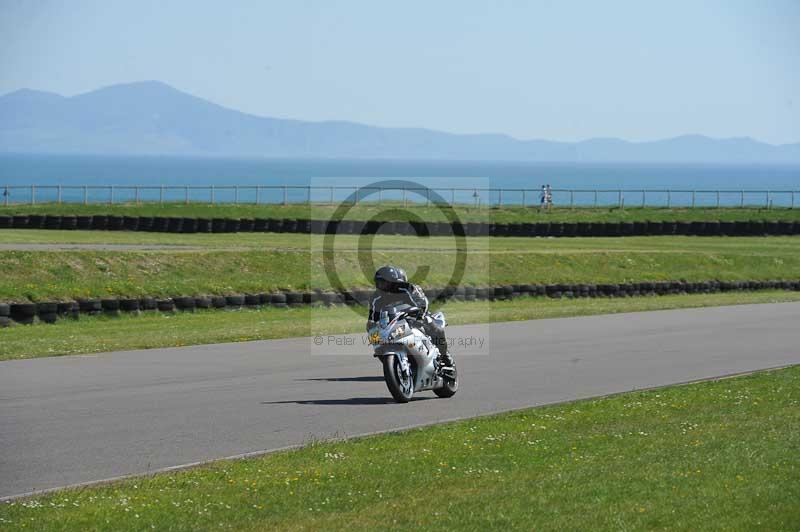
x=98, y=334
x=390, y=211
x=281, y=263
x=717, y=455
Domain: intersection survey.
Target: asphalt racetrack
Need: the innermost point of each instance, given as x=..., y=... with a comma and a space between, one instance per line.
x=76, y=419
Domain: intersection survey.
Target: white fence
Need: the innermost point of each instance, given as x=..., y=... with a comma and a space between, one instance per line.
x=299, y=194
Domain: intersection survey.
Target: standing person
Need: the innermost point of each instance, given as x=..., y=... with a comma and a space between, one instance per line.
x=549, y=196
x=543, y=198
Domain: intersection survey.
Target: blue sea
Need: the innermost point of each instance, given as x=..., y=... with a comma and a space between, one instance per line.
x=574, y=183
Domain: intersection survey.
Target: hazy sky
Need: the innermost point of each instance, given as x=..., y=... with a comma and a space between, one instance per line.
x=533, y=69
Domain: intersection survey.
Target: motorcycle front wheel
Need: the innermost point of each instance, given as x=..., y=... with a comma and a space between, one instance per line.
x=401, y=388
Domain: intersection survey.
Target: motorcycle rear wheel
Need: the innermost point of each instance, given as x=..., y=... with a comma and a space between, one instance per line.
x=401, y=389
x=450, y=385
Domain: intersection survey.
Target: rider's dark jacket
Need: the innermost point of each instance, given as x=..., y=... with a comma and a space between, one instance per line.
x=411, y=295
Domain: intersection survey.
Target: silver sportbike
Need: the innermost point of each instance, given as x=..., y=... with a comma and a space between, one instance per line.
x=410, y=359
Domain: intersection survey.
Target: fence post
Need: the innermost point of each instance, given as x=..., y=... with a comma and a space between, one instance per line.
x=161, y=195
x=136, y=194
x=792, y=205
x=331, y=196
x=111, y=195
x=186, y=195
x=767, y=199
x=309, y=195
x=33, y=194
x=500, y=198
x=59, y=194
x=571, y=198
x=212, y=194
x=669, y=198
x=284, y=195
x=619, y=199
x=85, y=195
x=595, y=198
x=258, y=194
x=523, y=198
x=692, y=199
x=717, y=199
x=741, y=200
x=644, y=198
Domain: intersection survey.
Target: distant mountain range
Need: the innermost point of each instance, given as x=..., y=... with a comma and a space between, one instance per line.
x=151, y=118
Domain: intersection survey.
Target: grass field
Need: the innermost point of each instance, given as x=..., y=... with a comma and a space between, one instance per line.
x=396, y=211
x=718, y=455
x=268, y=262
x=99, y=334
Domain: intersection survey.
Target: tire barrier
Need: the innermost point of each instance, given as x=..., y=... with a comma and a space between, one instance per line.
x=232, y=225
x=19, y=222
x=5, y=310
x=235, y=301
x=353, y=227
x=47, y=311
x=218, y=225
x=165, y=305
x=50, y=311
x=277, y=300
x=51, y=222
x=69, y=223
x=84, y=223
x=203, y=225
x=110, y=306
x=174, y=225
x=129, y=305
x=114, y=223
x=35, y=221
x=188, y=225
x=185, y=303
x=148, y=303
x=99, y=223
x=246, y=225
x=289, y=226
x=130, y=223
x=90, y=306
x=260, y=225
x=22, y=312
x=159, y=224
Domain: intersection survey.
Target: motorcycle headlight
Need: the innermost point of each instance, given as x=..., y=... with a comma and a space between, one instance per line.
x=374, y=338
x=398, y=332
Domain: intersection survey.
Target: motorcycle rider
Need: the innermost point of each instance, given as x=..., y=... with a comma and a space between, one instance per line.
x=391, y=289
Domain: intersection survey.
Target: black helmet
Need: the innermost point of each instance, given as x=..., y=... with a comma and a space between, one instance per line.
x=390, y=279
